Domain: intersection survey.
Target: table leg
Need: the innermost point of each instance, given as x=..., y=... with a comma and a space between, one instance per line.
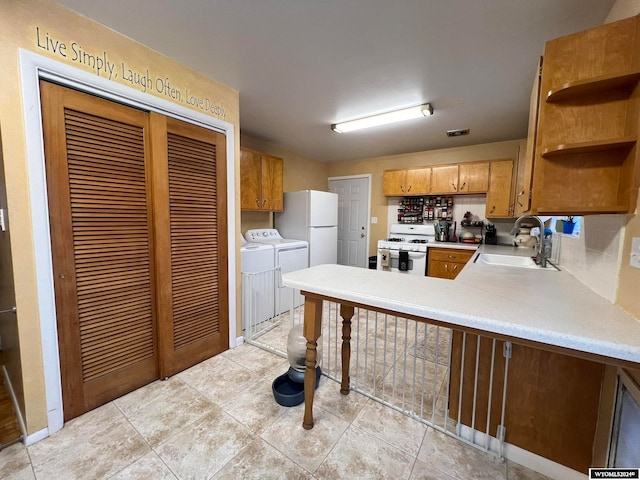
x=346, y=312
x=312, y=329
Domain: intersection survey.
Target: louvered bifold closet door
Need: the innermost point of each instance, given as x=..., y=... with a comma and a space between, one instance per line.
x=190, y=217
x=101, y=237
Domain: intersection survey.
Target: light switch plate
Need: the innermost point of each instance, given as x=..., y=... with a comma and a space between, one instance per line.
x=635, y=252
x=374, y=220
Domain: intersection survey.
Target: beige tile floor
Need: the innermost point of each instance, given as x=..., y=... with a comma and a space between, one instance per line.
x=218, y=420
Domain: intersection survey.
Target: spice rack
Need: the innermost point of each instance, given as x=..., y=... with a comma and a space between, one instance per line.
x=411, y=210
x=438, y=208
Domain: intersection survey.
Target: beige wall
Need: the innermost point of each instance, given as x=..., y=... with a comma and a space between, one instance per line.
x=376, y=166
x=19, y=21
x=300, y=173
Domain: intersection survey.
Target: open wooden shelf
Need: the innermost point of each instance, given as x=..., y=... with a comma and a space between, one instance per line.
x=582, y=88
x=588, y=147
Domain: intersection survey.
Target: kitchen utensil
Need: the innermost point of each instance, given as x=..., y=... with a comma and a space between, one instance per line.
x=455, y=237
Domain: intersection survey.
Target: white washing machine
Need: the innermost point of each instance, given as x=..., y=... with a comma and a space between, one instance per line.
x=290, y=255
x=259, y=280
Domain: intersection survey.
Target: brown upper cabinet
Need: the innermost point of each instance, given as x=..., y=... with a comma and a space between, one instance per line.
x=586, y=146
x=523, y=169
x=473, y=177
x=261, y=182
x=499, y=198
x=412, y=181
x=444, y=179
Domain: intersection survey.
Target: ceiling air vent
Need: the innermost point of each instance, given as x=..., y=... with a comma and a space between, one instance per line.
x=458, y=133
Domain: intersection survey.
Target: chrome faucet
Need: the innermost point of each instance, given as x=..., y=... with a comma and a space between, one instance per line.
x=541, y=257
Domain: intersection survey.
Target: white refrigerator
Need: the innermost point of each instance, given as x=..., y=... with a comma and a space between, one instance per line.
x=311, y=215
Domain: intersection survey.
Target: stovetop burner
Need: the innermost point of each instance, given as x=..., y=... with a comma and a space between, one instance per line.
x=418, y=240
x=395, y=239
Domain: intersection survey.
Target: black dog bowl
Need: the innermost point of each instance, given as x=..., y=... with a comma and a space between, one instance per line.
x=288, y=392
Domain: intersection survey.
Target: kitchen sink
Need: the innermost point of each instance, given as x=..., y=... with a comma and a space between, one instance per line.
x=511, y=261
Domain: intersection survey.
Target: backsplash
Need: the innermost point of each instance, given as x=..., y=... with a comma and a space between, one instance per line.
x=594, y=257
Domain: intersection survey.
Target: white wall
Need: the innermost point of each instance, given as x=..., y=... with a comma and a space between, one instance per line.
x=594, y=257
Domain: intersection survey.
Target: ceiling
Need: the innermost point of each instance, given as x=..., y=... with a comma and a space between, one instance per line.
x=301, y=65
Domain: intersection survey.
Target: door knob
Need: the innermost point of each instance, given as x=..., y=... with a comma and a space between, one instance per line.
x=362, y=235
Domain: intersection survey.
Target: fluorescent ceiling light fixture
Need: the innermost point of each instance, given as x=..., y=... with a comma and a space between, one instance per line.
x=384, y=118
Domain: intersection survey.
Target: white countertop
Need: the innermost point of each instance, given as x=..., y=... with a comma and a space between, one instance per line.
x=550, y=307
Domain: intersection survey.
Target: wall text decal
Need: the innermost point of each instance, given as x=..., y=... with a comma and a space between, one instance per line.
x=104, y=65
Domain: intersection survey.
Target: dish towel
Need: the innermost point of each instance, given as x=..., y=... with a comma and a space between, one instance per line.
x=384, y=259
x=403, y=261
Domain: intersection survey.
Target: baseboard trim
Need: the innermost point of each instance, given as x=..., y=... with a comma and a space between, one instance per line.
x=36, y=437
x=14, y=400
x=523, y=457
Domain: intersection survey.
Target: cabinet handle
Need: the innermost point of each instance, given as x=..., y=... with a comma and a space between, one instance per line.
x=455, y=188
x=451, y=256
x=446, y=267
x=264, y=203
x=402, y=188
x=258, y=202
x=462, y=187
x=455, y=267
x=518, y=198
x=492, y=209
x=409, y=189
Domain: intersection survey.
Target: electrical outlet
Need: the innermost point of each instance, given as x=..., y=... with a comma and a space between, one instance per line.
x=374, y=220
x=635, y=252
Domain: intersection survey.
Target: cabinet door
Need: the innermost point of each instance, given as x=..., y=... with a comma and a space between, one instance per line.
x=441, y=269
x=499, y=194
x=272, y=178
x=521, y=197
x=473, y=177
x=393, y=183
x=250, y=180
x=444, y=179
x=418, y=181
x=526, y=156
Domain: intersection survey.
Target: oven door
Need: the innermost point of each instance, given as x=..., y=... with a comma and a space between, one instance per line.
x=416, y=263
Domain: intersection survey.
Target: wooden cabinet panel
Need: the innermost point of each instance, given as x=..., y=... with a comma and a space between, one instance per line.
x=250, y=180
x=447, y=262
x=412, y=181
x=272, y=183
x=393, y=183
x=261, y=182
x=499, y=195
x=526, y=153
x=444, y=179
x=552, y=399
x=473, y=177
x=418, y=181
x=586, y=152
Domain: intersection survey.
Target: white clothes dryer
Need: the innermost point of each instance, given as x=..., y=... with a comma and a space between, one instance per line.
x=257, y=262
x=289, y=255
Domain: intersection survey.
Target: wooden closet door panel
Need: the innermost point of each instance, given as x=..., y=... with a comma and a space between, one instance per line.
x=96, y=165
x=191, y=239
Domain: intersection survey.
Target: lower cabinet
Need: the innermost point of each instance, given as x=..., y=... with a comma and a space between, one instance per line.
x=447, y=262
x=552, y=400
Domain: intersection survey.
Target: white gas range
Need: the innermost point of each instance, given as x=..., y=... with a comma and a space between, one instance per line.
x=405, y=250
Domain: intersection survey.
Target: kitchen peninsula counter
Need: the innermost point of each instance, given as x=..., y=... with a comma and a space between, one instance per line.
x=550, y=309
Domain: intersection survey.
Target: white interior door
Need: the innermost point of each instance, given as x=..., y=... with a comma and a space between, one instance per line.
x=353, y=214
